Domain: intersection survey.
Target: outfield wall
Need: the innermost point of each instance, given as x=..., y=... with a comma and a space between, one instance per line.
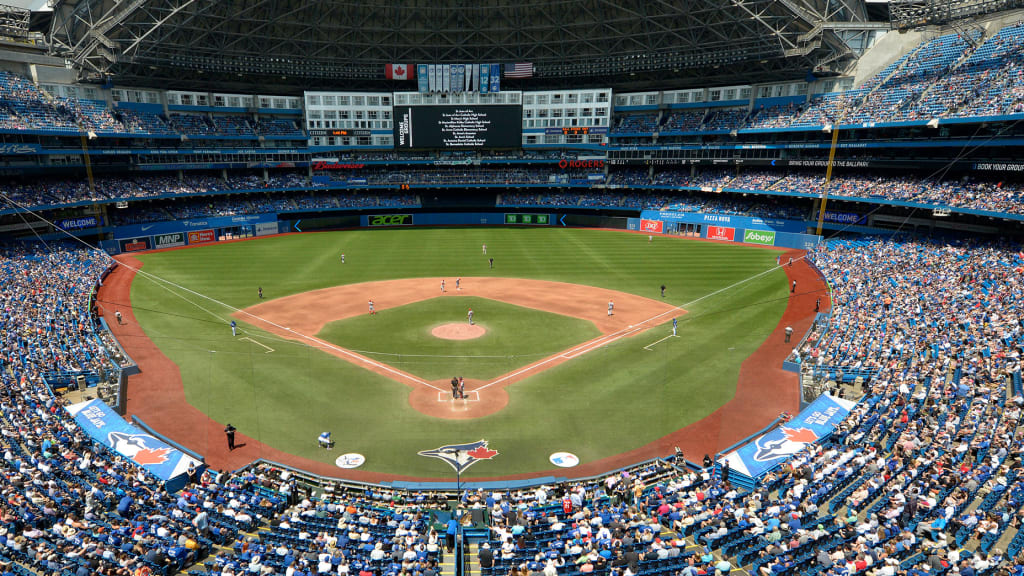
x=197, y=231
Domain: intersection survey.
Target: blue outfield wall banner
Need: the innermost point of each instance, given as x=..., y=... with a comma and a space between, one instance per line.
x=771, y=449
x=104, y=426
x=745, y=222
x=136, y=230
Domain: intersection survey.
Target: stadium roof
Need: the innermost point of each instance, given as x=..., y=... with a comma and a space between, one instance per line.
x=290, y=44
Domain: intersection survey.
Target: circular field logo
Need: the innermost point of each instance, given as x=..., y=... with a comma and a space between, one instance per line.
x=350, y=460
x=564, y=459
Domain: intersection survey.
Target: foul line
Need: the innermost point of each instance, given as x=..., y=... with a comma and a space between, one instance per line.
x=269, y=349
x=651, y=345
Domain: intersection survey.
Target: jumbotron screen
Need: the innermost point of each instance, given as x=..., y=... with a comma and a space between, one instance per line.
x=470, y=126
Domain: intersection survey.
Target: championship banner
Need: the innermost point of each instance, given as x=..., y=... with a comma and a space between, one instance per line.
x=495, y=77
x=721, y=233
x=432, y=77
x=422, y=81
x=652, y=225
x=476, y=77
x=156, y=457
x=485, y=82
x=446, y=77
x=467, y=76
x=772, y=449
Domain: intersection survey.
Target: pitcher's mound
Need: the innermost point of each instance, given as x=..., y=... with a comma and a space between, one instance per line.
x=458, y=331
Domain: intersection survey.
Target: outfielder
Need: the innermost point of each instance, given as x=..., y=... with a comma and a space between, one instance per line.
x=342, y=258
x=485, y=248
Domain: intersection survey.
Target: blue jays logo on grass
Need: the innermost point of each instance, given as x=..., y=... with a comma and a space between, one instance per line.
x=461, y=456
x=138, y=447
x=793, y=440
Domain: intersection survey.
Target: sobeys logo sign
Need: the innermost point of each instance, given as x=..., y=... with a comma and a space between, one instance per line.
x=763, y=237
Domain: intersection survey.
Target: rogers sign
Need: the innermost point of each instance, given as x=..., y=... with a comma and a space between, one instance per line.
x=563, y=163
x=336, y=166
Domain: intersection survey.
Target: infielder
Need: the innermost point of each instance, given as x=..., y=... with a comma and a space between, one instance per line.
x=470, y=315
x=372, y=311
x=118, y=316
x=457, y=282
x=611, y=306
x=442, y=285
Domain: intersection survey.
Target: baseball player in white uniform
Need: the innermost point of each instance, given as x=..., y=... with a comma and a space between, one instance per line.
x=611, y=306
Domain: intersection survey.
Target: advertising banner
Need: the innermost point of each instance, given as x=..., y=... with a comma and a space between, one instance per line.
x=156, y=457
x=266, y=228
x=135, y=244
x=78, y=223
x=762, y=237
x=845, y=217
x=774, y=447
x=651, y=225
x=201, y=237
x=169, y=240
x=738, y=222
x=377, y=220
x=721, y=233
x=170, y=226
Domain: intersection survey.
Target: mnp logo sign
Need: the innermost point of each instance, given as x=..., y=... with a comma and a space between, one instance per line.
x=389, y=220
x=721, y=233
x=762, y=237
x=169, y=240
x=652, y=225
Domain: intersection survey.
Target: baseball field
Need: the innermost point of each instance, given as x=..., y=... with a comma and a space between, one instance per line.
x=548, y=369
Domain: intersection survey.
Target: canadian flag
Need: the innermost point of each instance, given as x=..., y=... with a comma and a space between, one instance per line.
x=396, y=71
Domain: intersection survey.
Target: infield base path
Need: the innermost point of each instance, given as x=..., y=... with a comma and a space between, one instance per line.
x=298, y=317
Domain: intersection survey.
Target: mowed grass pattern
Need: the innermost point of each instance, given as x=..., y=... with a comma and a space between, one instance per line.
x=606, y=402
x=515, y=337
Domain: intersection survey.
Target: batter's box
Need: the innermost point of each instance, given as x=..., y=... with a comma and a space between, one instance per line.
x=471, y=396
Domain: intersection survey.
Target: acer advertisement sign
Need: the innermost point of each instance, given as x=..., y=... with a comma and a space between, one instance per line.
x=651, y=226
x=721, y=233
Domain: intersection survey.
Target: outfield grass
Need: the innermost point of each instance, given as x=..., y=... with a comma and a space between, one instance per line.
x=606, y=402
x=515, y=337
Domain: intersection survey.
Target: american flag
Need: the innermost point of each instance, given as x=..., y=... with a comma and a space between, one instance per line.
x=519, y=70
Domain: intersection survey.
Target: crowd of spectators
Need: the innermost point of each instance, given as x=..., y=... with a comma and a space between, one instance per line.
x=934, y=326
x=260, y=203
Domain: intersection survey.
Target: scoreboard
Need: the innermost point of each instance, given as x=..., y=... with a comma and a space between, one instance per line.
x=533, y=219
